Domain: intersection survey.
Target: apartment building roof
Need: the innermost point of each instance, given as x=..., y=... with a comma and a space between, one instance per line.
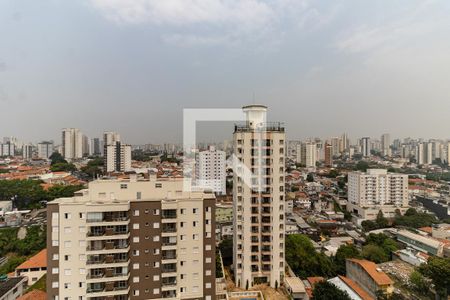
x=37, y=261
x=372, y=270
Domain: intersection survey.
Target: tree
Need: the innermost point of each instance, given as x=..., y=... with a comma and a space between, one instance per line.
x=369, y=225
x=438, y=270
x=63, y=167
x=374, y=253
x=325, y=290
x=418, y=282
x=56, y=158
x=304, y=260
x=381, y=221
x=362, y=166
x=383, y=242
x=310, y=177
x=226, y=249
x=414, y=219
x=344, y=252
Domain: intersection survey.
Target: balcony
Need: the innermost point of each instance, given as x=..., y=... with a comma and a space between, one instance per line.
x=169, y=228
x=115, y=246
x=107, y=259
x=169, y=254
x=169, y=294
x=105, y=289
x=169, y=281
x=107, y=217
x=169, y=268
x=169, y=241
x=169, y=214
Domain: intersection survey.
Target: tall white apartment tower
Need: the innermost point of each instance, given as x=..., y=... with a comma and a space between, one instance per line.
x=117, y=157
x=365, y=146
x=27, y=151
x=72, y=143
x=110, y=138
x=386, y=144
x=307, y=154
x=210, y=170
x=45, y=149
x=258, y=202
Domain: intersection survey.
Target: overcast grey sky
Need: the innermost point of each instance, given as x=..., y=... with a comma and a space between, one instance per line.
x=322, y=67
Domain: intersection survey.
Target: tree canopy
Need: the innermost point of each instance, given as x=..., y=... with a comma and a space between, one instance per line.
x=28, y=193
x=304, y=260
x=325, y=290
x=438, y=270
x=344, y=252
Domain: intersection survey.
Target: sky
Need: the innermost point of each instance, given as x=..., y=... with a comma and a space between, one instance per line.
x=322, y=67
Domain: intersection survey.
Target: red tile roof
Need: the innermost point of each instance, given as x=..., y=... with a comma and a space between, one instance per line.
x=356, y=288
x=37, y=261
x=379, y=277
x=34, y=295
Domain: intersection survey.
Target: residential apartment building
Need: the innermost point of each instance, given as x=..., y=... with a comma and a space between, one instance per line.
x=132, y=239
x=27, y=152
x=307, y=154
x=328, y=154
x=210, y=170
x=258, y=200
x=95, y=147
x=376, y=190
x=110, y=138
x=117, y=157
x=7, y=149
x=386, y=144
x=45, y=150
x=365, y=146
x=72, y=144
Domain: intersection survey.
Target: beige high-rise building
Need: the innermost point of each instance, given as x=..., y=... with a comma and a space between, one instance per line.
x=376, y=190
x=72, y=144
x=258, y=205
x=132, y=239
x=307, y=154
x=110, y=138
x=117, y=157
x=386, y=144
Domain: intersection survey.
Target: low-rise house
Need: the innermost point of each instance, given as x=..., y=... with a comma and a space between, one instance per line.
x=367, y=275
x=34, y=268
x=12, y=288
x=296, y=288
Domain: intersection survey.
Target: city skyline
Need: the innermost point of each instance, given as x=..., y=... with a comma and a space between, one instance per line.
x=370, y=69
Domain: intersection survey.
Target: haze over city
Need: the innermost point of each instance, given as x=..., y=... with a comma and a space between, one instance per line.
x=323, y=68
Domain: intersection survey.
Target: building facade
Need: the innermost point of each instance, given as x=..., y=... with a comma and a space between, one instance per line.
x=72, y=144
x=118, y=157
x=376, y=190
x=210, y=170
x=45, y=150
x=132, y=239
x=258, y=202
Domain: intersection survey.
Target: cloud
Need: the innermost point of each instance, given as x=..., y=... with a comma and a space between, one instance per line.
x=393, y=32
x=212, y=22
x=186, y=12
